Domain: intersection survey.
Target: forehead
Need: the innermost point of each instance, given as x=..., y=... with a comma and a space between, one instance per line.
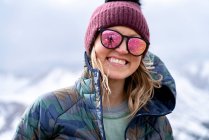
x=125, y=30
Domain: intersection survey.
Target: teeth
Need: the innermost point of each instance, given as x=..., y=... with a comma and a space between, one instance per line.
x=118, y=61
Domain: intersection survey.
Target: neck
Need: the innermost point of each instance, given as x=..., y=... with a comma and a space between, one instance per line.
x=117, y=95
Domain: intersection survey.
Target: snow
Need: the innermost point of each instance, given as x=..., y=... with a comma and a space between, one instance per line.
x=7, y=135
x=1, y=121
x=22, y=87
x=205, y=69
x=191, y=109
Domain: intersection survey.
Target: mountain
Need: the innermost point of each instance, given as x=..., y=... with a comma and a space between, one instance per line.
x=189, y=120
x=197, y=73
x=190, y=117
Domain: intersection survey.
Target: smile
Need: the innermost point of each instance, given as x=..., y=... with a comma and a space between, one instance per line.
x=117, y=61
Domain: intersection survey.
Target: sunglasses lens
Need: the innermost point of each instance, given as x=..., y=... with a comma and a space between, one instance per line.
x=136, y=46
x=110, y=39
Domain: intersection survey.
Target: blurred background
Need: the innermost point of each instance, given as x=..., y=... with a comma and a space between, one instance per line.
x=41, y=49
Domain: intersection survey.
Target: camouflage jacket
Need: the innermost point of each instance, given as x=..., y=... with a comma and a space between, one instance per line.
x=75, y=113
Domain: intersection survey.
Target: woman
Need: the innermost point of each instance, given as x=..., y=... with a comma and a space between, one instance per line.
x=124, y=93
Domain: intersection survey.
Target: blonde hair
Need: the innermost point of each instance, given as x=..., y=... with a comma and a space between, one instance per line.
x=139, y=86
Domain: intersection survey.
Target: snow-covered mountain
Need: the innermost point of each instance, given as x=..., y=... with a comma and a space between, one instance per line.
x=198, y=74
x=190, y=119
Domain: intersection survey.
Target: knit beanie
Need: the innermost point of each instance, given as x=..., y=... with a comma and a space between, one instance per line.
x=116, y=13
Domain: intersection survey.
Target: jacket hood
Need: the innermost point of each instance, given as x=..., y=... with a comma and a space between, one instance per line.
x=164, y=98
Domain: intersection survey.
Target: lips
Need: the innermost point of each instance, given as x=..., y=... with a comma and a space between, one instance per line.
x=117, y=61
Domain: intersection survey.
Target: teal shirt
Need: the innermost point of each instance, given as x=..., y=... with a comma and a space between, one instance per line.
x=115, y=122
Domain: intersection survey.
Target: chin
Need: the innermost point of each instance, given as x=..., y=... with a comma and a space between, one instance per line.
x=117, y=77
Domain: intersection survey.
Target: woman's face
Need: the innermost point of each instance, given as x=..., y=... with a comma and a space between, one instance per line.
x=118, y=63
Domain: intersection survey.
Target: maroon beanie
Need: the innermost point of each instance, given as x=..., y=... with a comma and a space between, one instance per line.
x=117, y=13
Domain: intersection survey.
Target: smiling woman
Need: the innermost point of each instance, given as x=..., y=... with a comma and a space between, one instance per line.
x=125, y=92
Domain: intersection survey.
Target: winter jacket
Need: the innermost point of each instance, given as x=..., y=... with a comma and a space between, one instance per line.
x=75, y=113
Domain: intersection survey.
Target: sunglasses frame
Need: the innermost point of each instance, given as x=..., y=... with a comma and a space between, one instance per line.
x=101, y=30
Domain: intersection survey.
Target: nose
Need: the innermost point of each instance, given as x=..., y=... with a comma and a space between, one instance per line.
x=122, y=49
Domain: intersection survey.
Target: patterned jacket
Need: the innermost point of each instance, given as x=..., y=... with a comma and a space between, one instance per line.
x=75, y=113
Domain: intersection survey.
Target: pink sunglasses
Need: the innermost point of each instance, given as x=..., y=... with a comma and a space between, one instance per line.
x=111, y=39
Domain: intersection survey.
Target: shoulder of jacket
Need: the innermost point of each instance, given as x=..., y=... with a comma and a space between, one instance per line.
x=59, y=101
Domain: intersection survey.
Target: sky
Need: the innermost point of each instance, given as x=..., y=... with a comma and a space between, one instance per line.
x=37, y=35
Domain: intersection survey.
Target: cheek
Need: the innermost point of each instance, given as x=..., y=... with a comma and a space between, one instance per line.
x=100, y=50
x=136, y=61
x=98, y=46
